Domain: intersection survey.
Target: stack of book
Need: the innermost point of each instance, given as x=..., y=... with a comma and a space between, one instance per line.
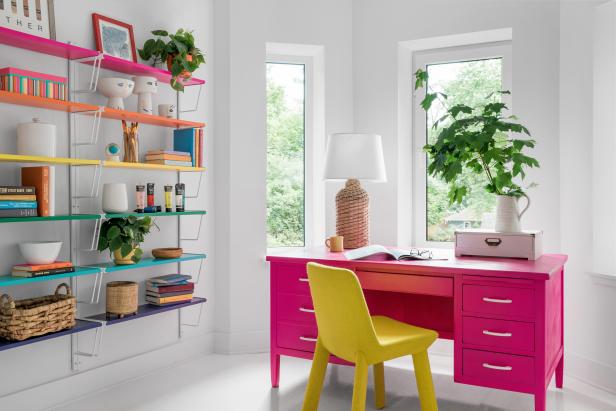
x=190, y=140
x=18, y=201
x=169, y=289
x=41, y=270
x=169, y=158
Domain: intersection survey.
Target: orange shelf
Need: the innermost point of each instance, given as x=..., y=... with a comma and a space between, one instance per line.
x=149, y=119
x=46, y=103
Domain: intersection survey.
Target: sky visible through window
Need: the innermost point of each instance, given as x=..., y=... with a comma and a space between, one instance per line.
x=285, y=155
x=467, y=82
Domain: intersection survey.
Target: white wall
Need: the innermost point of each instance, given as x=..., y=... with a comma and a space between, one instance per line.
x=41, y=363
x=242, y=30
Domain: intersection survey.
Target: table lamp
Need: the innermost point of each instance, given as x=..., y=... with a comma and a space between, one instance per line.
x=354, y=157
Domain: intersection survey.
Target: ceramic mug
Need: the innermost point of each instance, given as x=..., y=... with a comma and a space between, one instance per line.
x=166, y=110
x=115, y=198
x=335, y=243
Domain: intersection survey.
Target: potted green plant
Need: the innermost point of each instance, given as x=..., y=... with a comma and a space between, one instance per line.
x=477, y=139
x=177, y=50
x=122, y=237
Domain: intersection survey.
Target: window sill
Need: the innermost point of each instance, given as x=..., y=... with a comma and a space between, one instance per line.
x=604, y=279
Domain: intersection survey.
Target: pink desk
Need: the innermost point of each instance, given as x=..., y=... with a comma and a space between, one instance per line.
x=504, y=316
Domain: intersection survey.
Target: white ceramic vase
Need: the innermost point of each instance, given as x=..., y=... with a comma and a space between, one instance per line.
x=115, y=198
x=508, y=215
x=144, y=87
x=36, y=139
x=115, y=89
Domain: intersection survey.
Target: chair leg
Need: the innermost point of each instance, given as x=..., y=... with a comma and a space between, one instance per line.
x=425, y=387
x=360, y=384
x=317, y=375
x=379, y=386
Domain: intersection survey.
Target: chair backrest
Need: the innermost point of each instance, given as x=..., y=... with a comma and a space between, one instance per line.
x=344, y=322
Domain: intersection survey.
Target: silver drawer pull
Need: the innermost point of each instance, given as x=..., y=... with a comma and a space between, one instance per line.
x=497, y=300
x=497, y=367
x=495, y=334
x=309, y=339
x=303, y=280
x=306, y=310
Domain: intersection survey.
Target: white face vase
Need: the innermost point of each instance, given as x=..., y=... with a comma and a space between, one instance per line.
x=144, y=88
x=115, y=89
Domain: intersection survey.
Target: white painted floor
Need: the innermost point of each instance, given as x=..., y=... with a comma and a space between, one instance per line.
x=242, y=383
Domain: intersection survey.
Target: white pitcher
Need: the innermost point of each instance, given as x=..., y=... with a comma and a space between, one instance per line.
x=507, y=214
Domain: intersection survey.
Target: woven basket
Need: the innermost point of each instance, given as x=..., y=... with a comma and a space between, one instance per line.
x=352, y=219
x=24, y=319
x=122, y=298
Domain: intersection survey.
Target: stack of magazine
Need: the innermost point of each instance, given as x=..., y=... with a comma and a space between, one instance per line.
x=169, y=289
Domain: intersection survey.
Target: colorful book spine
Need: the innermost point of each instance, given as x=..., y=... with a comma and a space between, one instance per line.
x=167, y=157
x=18, y=212
x=171, y=163
x=170, y=288
x=33, y=83
x=16, y=190
x=39, y=178
x=42, y=273
x=17, y=197
x=6, y=205
x=168, y=300
x=38, y=267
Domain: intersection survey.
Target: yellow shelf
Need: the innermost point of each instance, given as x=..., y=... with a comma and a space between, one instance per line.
x=15, y=158
x=146, y=166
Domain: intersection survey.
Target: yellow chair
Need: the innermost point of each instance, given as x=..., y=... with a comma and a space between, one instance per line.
x=347, y=331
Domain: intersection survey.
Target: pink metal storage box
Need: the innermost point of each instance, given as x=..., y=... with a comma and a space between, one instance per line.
x=487, y=243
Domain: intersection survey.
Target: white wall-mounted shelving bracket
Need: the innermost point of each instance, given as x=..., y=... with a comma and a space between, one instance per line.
x=96, y=287
x=195, y=238
x=196, y=106
x=96, y=68
x=96, y=125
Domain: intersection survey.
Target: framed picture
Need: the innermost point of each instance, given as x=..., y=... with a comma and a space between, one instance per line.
x=114, y=38
x=29, y=16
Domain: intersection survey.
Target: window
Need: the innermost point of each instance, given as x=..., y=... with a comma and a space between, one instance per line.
x=466, y=76
x=286, y=154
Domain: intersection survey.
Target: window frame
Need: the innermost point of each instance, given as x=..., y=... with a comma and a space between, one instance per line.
x=421, y=59
x=309, y=209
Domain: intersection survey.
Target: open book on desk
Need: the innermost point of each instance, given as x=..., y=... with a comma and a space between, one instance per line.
x=390, y=253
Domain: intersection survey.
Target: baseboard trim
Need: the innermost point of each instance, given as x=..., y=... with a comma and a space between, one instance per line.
x=593, y=373
x=70, y=388
x=244, y=342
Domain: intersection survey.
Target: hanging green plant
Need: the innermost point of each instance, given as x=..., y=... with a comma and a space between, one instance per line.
x=177, y=50
x=477, y=138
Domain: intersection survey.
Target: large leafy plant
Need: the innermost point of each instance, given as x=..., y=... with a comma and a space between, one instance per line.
x=477, y=138
x=125, y=234
x=185, y=57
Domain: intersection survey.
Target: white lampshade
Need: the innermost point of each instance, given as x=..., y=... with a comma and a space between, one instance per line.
x=354, y=155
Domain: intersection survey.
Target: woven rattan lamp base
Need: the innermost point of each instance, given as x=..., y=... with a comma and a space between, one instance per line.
x=352, y=218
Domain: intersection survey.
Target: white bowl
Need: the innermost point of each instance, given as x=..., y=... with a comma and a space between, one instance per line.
x=40, y=252
x=115, y=89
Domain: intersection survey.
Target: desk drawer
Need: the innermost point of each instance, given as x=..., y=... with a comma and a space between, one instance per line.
x=297, y=336
x=509, y=301
x=498, y=370
x=292, y=279
x=497, y=334
x=295, y=308
x=406, y=283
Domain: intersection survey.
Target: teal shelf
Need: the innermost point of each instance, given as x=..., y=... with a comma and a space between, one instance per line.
x=49, y=218
x=110, y=267
x=161, y=214
x=8, y=281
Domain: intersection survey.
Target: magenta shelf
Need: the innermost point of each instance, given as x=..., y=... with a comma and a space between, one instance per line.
x=137, y=69
x=41, y=45
x=21, y=40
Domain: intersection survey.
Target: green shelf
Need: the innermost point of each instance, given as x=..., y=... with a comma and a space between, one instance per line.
x=95, y=216
x=49, y=218
x=161, y=214
x=110, y=267
x=8, y=281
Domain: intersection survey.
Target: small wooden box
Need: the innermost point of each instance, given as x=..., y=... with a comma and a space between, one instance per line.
x=487, y=243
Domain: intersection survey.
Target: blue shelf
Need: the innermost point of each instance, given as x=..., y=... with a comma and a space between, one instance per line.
x=79, y=327
x=146, y=310
x=8, y=280
x=110, y=267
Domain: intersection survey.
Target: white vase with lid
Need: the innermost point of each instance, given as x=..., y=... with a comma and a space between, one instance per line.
x=36, y=139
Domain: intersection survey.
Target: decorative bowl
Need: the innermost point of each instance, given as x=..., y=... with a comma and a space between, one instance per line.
x=40, y=252
x=115, y=89
x=167, y=252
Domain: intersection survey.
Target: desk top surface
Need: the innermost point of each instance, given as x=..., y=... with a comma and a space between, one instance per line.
x=541, y=268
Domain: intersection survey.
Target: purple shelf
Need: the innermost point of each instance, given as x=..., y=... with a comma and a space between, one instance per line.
x=146, y=310
x=79, y=327
x=41, y=45
x=26, y=41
